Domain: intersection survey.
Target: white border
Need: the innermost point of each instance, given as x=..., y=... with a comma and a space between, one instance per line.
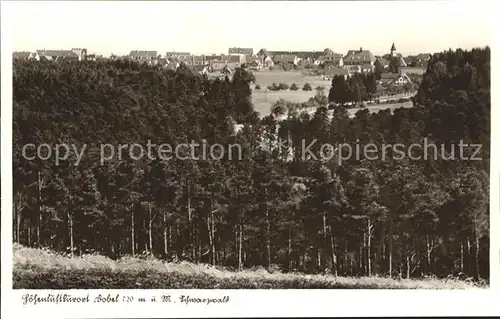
x=263, y=303
x=495, y=154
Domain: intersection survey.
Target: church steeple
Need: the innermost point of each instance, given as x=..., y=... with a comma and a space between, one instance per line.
x=393, y=49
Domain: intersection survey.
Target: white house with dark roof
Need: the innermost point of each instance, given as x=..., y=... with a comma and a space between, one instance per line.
x=253, y=61
x=216, y=70
x=394, y=78
x=358, y=57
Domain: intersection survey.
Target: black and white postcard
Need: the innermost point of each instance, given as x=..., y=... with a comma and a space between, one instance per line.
x=227, y=158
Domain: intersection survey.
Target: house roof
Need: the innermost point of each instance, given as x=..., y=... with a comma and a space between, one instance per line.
x=409, y=68
x=389, y=76
x=172, y=65
x=263, y=52
x=300, y=54
x=355, y=67
x=169, y=54
x=246, y=51
x=79, y=51
x=402, y=61
x=382, y=61
x=231, y=58
x=199, y=59
x=359, y=57
x=334, y=57
x=57, y=53
x=226, y=70
x=307, y=54
x=405, y=76
x=143, y=54
x=284, y=58
x=187, y=59
x=424, y=56
x=421, y=57
x=213, y=57
x=21, y=54
x=197, y=67
x=217, y=65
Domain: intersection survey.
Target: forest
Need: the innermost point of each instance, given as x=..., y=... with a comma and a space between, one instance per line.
x=397, y=218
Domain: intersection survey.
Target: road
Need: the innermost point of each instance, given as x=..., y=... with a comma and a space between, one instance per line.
x=263, y=100
x=373, y=108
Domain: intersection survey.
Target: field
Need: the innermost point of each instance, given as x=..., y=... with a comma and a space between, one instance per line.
x=42, y=269
x=263, y=99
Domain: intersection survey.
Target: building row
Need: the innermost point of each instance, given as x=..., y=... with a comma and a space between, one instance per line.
x=354, y=61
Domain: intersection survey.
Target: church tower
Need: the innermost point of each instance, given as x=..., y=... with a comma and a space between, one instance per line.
x=393, y=50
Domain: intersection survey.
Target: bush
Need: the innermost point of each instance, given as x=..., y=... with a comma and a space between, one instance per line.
x=283, y=86
x=257, y=87
x=294, y=87
x=307, y=87
x=277, y=87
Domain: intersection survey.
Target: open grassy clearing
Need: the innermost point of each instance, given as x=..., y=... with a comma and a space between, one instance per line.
x=266, y=77
x=42, y=269
x=263, y=100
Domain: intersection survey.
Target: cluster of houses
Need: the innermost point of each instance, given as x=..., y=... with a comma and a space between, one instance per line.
x=221, y=65
x=76, y=54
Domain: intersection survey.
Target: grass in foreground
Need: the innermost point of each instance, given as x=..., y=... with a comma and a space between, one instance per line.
x=41, y=269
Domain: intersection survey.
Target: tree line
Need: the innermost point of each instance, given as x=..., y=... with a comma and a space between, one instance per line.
x=356, y=88
x=273, y=208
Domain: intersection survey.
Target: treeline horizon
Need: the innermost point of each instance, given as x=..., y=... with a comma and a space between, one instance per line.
x=393, y=218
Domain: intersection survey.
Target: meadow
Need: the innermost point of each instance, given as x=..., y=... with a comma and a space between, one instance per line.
x=44, y=269
x=264, y=99
x=265, y=77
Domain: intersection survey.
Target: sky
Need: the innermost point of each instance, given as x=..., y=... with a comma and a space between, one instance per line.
x=212, y=27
